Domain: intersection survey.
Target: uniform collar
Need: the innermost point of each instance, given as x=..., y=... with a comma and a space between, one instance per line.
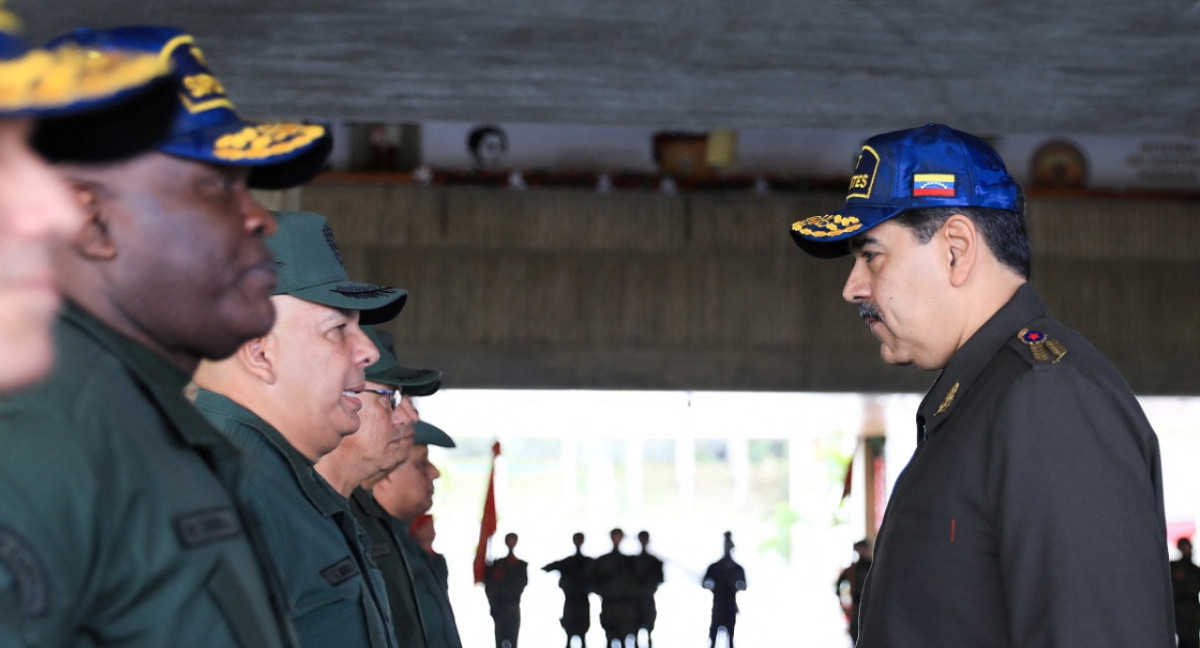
x=152, y=368
x=367, y=502
x=254, y=435
x=969, y=360
x=162, y=381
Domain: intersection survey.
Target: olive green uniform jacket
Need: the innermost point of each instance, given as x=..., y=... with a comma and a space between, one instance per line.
x=393, y=564
x=1031, y=513
x=433, y=597
x=334, y=592
x=418, y=595
x=116, y=525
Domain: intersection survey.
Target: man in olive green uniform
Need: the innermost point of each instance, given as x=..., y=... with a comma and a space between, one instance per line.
x=405, y=494
x=288, y=398
x=52, y=106
x=117, y=526
x=386, y=547
x=1028, y=437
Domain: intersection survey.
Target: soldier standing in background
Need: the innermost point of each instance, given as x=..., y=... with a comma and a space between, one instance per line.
x=575, y=579
x=648, y=572
x=504, y=581
x=725, y=578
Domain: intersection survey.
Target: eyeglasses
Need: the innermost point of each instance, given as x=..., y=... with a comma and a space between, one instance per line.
x=394, y=396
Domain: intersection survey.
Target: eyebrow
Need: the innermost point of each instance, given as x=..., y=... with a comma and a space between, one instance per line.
x=337, y=314
x=861, y=241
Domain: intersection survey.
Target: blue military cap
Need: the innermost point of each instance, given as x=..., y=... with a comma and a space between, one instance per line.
x=88, y=105
x=206, y=126
x=930, y=166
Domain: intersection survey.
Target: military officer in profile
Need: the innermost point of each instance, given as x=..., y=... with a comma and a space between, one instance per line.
x=385, y=434
x=288, y=398
x=405, y=494
x=117, y=524
x=53, y=105
x=1027, y=435
x=395, y=385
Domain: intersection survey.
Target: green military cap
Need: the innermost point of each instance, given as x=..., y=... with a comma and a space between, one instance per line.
x=429, y=434
x=310, y=268
x=386, y=370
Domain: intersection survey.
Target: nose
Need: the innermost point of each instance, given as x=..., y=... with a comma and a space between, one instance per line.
x=857, y=289
x=434, y=473
x=258, y=219
x=405, y=414
x=365, y=353
x=406, y=404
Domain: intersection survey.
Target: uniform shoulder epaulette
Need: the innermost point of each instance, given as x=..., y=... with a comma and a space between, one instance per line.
x=1042, y=347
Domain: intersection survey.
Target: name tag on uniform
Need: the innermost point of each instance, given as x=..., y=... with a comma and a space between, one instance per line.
x=340, y=571
x=210, y=525
x=380, y=549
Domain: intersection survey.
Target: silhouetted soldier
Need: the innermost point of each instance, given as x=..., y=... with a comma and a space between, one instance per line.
x=850, y=582
x=575, y=574
x=1185, y=581
x=648, y=572
x=613, y=579
x=503, y=582
x=725, y=578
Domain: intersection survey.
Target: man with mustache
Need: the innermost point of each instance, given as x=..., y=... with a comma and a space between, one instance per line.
x=117, y=520
x=1027, y=438
x=286, y=399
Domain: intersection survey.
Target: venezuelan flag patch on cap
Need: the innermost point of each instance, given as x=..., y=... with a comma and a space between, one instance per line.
x=933, y=184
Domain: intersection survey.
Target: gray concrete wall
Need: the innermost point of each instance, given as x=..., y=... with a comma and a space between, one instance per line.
x=572, y=289
x=1109, y=67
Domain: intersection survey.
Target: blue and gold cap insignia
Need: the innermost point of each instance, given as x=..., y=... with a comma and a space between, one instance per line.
x=930, y=166
x=64, y=80
x=207, y=127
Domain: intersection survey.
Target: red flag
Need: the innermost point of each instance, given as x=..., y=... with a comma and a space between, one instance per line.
x=849, y=473
x=487, y=524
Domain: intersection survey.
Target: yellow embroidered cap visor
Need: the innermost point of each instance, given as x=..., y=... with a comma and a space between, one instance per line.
x=281, y=155
x=825, y=236
x=88, y=105
x=71, y=79
x=206, y=126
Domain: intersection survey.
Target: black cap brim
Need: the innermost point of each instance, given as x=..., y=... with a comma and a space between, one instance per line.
x=117, y=131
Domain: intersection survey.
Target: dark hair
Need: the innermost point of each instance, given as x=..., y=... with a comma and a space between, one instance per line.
x=479, y=132
x=1004, y=231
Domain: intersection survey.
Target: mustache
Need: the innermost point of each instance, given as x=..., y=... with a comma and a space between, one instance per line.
x=869, y=311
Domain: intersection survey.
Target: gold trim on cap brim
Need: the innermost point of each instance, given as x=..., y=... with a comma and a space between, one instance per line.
x=62, y=77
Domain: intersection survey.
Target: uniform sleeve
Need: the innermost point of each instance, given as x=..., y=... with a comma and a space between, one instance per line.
x=46, y=523
x=1075, y=482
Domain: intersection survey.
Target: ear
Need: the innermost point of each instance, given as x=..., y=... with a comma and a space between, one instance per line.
x=258, y=358
x=962, y=241
x=94, y=239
